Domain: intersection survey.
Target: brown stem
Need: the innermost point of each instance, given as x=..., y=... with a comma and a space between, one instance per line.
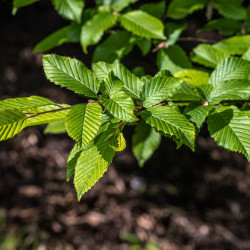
x=196, y=39
x=45, y=112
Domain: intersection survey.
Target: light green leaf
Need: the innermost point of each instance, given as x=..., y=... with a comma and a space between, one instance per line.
x=159, y=89
x=111, y=85
x=174, y=31
x=171, y=122
x=46, y=114
x=121, y=4
x=145, y=141
x=12, y=121
x=17, y=4
x=55, y=39
x=208, y=55
x=132, y=84
x=69, y=9
x=72, y=160
x=163, y=72
x=179, y=9
x=246, y=55
x=230, y=69
x=236, y=45
x=193, y=76
x=55, y=128
x=102, y=69
x=83, y=122
x=119, y=143
x=93, y=162
x=23, y=103
x=92, y=31
x=173, y=59
x=196, y=112
x=72, y=74
x=142, y=24
x=230, y=9
x=226, y=26
x=120, y=106
x=230, y=128
x=114, y=48
x=154, y=9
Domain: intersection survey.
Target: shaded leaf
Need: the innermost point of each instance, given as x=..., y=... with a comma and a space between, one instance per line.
x=55, y=127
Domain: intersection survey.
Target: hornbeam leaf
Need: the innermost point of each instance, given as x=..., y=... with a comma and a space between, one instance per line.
x=120, y=106
x=102, y=69
x=72, y=74
x=93, y=162
x=208, y=55
x=145, y=141
x=159, y=89
x=46, y=114
x=142, y=24
x=232, y=68
x=197, y=113
x=17, y=4
x=230, y=128
x=121, y=4
x=92, y=31
x=22, y=103
x=171, y=122
x=12, y=121
x=246, y=55
x=55, y=128
x=72, y=160
x=120, y=143
x=69, y=9
x=83, y=122
x=132, y=84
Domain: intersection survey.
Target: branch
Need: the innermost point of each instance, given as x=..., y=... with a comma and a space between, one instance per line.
x=196, y=39
x=30, y=115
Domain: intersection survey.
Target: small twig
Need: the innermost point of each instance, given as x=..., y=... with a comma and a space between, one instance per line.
x=197, y=39
x=160, y=46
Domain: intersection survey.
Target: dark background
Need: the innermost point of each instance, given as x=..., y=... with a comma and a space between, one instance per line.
x=179, y=200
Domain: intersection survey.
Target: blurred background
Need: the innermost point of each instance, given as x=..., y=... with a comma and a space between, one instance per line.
x=179, y=200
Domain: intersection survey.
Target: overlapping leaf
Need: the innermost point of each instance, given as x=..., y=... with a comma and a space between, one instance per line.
x=145, y=141
x=93, y=30
x=17, y=4
x=142, y=24
x=171, y=122
x=72, y=74
x=55, y=128
x=230, y=128
x=83, y=122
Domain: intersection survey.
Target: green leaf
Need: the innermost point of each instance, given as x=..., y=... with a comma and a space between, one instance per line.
x=69, y=9
x=179, y=9
x=102, y=69
x=230, y=69
x=196, y=112
x=138, y=71
x=193, y=76
x=55, y=128
x=72, y=160
x=159, y=89
x=144, y=45
x=93, y=162
x=246, y=55
x=174, y=31
x=208, y=55
x=142, y=24
x=17, y=4
x=72, y=74
x=230, y=9
x=145, y=141
x=46, y=114
x=12, y=121
x=111, y=85
x=154, y=9
x=236, y=45
x=173, y=59
x=23, y=103
x=120, y=106
x=120, y=143
x=230, y=129
x=226, y=26
x=92, y=31
x=83, y=122
x=114, y=48
x=121, y=4
x=163, y=72
x=171, y=122
x=57, y=38
x=132, y=84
